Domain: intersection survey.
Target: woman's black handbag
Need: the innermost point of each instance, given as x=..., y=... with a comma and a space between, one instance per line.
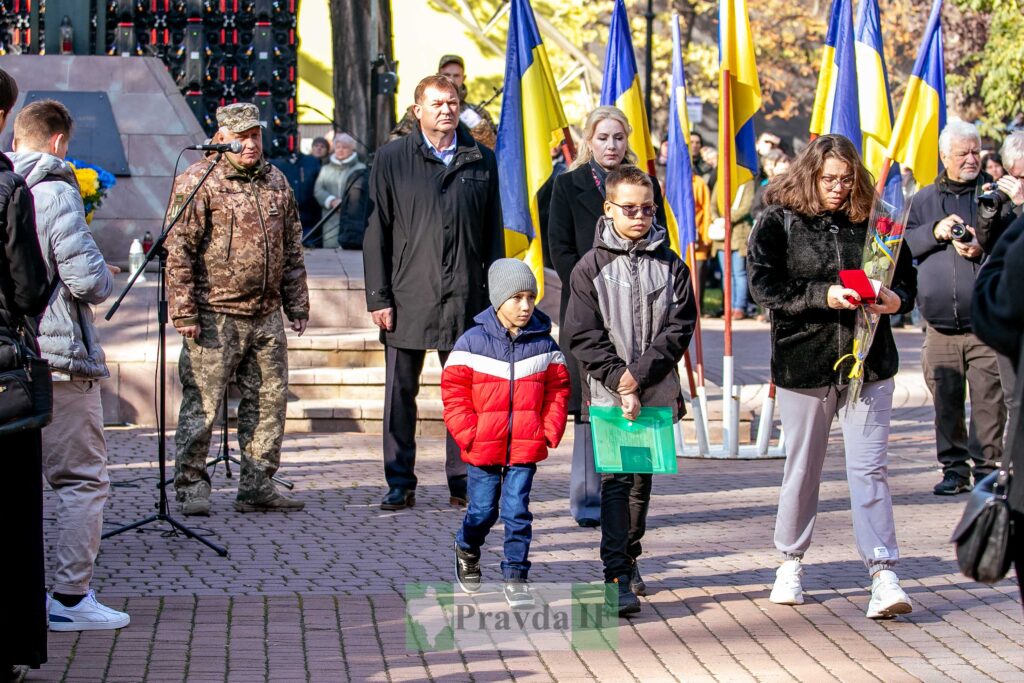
x=26, y=392
x=983, y=536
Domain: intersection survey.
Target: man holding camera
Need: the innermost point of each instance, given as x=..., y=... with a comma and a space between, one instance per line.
x=941, y=237
x=1000, y=205
x=1002, y=202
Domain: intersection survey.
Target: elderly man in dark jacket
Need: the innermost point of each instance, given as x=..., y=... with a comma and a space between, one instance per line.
x=940, y=234
x=434, y=228
x=1003, y=203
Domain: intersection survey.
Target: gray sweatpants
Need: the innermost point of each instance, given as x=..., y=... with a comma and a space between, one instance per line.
x=807, y=416
x=75, y=466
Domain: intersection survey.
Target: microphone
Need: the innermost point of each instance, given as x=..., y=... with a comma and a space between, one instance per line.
x=234, y=146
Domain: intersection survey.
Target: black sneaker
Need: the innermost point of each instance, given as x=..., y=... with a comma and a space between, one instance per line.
x=518, y=595
x=628, y=602
x=467, y=569
x=636, y=582
x=952, y=484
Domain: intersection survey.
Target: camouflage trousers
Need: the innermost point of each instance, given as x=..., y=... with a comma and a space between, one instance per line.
x=255, y=352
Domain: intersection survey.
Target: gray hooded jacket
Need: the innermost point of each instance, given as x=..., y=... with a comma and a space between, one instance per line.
x=67, y=332
x=631, y=308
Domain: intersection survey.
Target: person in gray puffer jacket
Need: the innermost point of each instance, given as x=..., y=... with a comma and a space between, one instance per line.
x=630, y=319
x=74, y=448
x=67, y=332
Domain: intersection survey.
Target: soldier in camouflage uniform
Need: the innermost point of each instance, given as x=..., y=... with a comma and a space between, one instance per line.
x=233, y=261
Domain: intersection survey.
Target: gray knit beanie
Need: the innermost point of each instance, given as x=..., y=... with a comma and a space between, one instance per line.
x=506, y=278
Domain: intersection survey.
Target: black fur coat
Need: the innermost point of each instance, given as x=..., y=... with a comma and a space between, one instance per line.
x=790, y=275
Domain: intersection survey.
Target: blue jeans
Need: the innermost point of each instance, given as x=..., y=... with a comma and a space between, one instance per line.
x=739, y=279
x=512, y=485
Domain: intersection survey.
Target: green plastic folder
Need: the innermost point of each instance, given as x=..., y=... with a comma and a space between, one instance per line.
x=645, y=445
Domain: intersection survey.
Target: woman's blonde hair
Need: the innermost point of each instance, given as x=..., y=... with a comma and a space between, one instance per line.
x=585, y=153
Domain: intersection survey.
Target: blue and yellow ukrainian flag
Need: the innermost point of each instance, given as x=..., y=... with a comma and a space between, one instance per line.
x=620, y=88
x=873, y=87
x=743, y=92
x=679, y=173
x=531, y=114
x=915, y=135
x=836, y=109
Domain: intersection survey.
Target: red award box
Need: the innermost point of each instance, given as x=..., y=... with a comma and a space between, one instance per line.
x=858, y=281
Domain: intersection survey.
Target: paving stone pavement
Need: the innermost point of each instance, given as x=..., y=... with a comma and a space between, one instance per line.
x=318, y=595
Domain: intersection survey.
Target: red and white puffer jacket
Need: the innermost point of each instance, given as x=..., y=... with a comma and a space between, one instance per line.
x=505, y=398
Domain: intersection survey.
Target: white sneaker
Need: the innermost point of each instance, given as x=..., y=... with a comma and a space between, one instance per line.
x=787, y=589
x=88, y=615
x=887, y=598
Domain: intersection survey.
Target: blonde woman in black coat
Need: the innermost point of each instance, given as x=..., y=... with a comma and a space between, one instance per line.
x=577, y=202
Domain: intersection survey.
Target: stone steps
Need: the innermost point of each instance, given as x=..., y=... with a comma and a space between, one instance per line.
x=365, y=384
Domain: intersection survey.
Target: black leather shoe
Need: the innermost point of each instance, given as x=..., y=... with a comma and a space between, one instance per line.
x=628, y=602
x=398, y=499
x=952, y=484
x=588, y=523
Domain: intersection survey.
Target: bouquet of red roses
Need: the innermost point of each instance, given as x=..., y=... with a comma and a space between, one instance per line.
x=881, y=250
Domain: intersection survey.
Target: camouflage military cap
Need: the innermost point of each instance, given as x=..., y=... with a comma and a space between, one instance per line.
x=238, y=117
x=450, y=59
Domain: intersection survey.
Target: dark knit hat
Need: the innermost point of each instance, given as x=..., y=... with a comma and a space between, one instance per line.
x=506, y=278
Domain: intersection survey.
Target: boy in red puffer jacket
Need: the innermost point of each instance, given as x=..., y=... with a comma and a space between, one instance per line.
x=506, y=393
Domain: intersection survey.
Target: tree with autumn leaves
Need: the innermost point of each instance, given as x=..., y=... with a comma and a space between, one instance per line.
x=984, y=52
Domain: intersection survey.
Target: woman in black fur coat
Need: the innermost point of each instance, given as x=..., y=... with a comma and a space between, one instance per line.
x=814, y=226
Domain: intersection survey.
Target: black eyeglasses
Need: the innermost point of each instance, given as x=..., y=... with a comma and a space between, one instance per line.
x=632, y=210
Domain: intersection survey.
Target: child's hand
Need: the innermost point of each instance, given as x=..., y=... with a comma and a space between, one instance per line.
x=628, y=384
x=631, y=406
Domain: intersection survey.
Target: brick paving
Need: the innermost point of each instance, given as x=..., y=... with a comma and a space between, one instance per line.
x=317, y=595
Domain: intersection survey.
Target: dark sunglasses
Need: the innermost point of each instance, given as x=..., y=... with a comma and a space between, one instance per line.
x=632, y=211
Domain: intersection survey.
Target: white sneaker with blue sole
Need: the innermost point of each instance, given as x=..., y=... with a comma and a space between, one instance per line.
x=88, y=615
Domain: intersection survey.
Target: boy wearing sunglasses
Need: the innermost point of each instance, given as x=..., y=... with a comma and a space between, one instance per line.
x=630, y=318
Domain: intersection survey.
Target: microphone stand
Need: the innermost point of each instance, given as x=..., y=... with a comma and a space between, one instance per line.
x=158, y=250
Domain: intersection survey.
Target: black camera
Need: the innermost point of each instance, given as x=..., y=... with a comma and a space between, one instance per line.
x=960, y=233
x=993, y=199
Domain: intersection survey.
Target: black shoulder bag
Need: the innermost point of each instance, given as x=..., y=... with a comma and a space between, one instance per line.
x=26, y=392
x=984, y=534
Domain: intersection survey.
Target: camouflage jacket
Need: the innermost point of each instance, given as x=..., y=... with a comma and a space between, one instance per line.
x=238, y=248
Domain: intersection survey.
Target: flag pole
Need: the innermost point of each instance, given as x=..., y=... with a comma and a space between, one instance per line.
x=700, y=425
x=698, y=394
x=730, y=409
x=883, y=176
x=570, y=145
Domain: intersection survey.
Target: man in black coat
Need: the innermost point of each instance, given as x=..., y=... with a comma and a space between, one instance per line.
x=434, y=229
x=952, y=355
